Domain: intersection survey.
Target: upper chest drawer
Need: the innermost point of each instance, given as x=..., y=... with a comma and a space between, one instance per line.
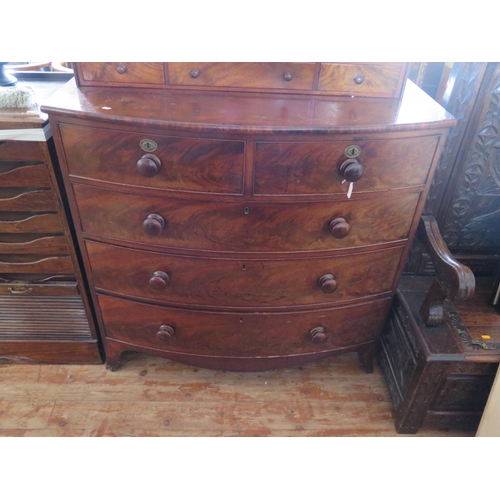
x=382, y=79
x=149, y=160
x=314, y=168
x=120, y=73
x=292, y=76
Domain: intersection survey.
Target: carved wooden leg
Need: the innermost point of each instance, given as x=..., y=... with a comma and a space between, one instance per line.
x=113, y=353
x=366, y=356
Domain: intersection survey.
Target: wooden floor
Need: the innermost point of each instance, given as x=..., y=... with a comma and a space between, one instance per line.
x=149, y=396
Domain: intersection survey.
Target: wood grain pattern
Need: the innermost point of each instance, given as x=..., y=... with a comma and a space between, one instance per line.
x=145, y=72
x=245, y=283
x=55, y=245
x=240, y=334
x=376, y=79
x=24, y=150
x=25, y=176
x=151, y=396
x=186, y=164
x=311, y=168
x=29, y=201
x=245, y=75
x=43, y=223
x=225, y=227
x=47, y=265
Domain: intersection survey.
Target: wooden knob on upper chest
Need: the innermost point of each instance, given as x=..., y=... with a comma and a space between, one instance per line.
x=287, y=76
x=327, y=283
x=339, y=227
x=318, y=335
x=121, y=69
x=351, y=170
x=165, y=332
x=358, y=79
x=153, y=224
x=159, y=280
x=149, y=165
x=195, y=73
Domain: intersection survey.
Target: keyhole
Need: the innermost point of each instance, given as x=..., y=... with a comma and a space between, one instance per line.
x=241, y=320
x=246, y=211
x=244, y=267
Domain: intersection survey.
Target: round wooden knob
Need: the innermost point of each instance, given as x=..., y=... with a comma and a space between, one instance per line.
x=318, y=335
x=287, y=77
x=159, y=280
x=339, y=227
x=351, y=170
x=195, y=73
x=358, y=79
x=153, y=224
x=327, y=283
x=121, y=69
x=165, y=332
x=149, y=165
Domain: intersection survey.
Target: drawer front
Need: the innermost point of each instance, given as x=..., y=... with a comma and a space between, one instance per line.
x=241, y=283
x=121, y=72
x=359, y=79
x=24, y=176
x=312, y=168
x=29, y=151
x=15, y=200
x=243, y=227
x=291, y=76
x=240, y=334
x=37, y=224
x=171, y=163
x=15, y=264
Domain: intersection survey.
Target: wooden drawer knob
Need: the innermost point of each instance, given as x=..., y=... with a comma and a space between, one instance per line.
x=165, y=332
x=159, y=280
x=358, y=79
x=153, y=224
x=149, y=165
x=287, y=77
x=351, y=170
x=327, y=283
x=121, y=69
x=318, y=335
x=339, y=227
x=195, y=73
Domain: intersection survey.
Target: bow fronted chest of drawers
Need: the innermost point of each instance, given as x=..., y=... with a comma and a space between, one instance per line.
x=245, y=216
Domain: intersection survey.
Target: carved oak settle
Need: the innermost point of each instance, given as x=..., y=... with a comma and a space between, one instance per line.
x=245, y=216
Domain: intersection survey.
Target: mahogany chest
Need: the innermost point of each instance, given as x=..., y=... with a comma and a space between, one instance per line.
x=245, y=216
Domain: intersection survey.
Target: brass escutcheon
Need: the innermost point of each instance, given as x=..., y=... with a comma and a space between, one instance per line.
x=352, y=151
x=148, y=145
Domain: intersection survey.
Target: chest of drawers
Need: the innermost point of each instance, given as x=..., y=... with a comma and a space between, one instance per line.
x=231, y=222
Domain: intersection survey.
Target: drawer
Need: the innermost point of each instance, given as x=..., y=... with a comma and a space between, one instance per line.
x=121, y=73
x=244, y=226
x=24, y=176
x=162, y=162
x=27, y=289
x=16, y=200
x=29, y=244
x=292, y=76
x=312, y=168
x=39, y=224
x=241, y=283
x=29, y=151
x=240, y=334
x=35, y=264
x=362, y=79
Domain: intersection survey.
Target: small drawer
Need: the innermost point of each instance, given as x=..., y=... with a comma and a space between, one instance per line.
x=383, y=80
x=27, y=289
x=35, y=264
x=314, y=168
x=244, y=283
x=244, y=226
x=24, y=176
x=20, y=200
x=36, y=224
x=240, y=334
x=291, y=76
x=155, y=161
x=31, y=244
x=26, y=151
x=119, y=73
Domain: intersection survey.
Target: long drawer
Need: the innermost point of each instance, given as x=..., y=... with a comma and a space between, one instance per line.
x=244, y=226
x=240, y=334
x=249, y=283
